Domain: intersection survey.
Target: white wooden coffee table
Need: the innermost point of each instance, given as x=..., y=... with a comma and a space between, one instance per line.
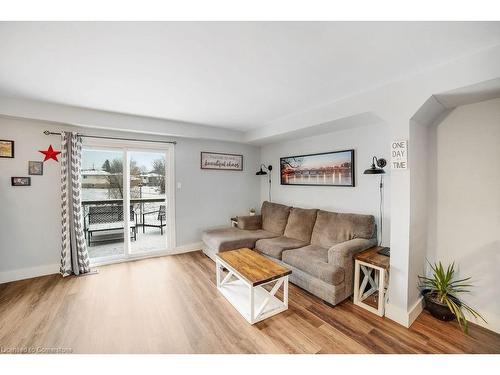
x=243, y=283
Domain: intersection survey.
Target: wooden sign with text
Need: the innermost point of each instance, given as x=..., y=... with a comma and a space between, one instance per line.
x=222, y=162
x=399, y=154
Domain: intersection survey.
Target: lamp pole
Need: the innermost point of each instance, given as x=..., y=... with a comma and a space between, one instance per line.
x=263, y=171
x=377, y=167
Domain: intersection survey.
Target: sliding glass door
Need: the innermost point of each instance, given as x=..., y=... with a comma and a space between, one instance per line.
x=148, y=200
x=102, y=200
x=127, y=200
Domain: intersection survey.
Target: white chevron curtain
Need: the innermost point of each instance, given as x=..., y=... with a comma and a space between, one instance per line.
x=74, y=254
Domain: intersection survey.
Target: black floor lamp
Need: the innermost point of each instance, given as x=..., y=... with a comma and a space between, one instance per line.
x=377, y=167
x=266, y=171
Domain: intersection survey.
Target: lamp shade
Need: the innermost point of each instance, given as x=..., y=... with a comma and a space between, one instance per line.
x=261, y=172
x=374, y=170
x=377, y=166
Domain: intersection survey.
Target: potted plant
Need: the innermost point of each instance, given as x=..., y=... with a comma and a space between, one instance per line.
x=441, y=295
x=252, y=212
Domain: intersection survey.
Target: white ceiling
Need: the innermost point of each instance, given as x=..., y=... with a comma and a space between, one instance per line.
x=239, y=75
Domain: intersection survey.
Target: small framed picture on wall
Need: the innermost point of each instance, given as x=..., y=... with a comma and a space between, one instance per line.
x=35, y=168
x=6, y=149
x=20, y=181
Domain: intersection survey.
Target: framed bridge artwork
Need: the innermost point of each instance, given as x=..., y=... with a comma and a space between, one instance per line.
x=334, y=168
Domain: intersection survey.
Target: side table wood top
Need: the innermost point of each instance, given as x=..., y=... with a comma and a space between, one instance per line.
x=371, y=256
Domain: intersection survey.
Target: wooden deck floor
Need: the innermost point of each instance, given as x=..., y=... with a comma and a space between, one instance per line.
x=170, y=305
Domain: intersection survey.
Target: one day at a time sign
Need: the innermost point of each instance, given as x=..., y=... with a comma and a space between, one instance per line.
x=399, y=154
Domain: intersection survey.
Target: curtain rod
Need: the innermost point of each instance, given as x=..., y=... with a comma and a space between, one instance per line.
x=46, y=132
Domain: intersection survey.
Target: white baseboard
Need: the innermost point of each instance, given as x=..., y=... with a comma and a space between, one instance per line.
x=403, y=317
x=28, y=273
x=49, y=269
x=415, y=311
x=187, y=248
x=396, y=314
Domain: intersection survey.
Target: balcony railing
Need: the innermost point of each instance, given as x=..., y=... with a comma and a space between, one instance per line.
x=120, y=201
x=106, y=216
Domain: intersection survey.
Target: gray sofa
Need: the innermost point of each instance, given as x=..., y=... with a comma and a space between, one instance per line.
x=317, y=245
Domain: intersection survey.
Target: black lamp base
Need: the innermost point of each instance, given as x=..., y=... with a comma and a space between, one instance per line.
x=385, y=251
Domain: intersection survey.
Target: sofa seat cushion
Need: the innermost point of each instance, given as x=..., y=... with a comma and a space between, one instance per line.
x=273, y=247
x=274, y=217
x=224, y=239
x=313, y=260
x=300, y=224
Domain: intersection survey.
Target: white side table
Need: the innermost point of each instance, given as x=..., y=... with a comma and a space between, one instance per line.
x=371, y=275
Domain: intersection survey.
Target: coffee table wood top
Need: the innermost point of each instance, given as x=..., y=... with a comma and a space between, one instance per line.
x=256, y=269
x=371, y=256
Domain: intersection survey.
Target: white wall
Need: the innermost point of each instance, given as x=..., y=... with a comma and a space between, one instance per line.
x=30, y=216
x=210, y=198
x=367, y=141
x=465, y=222
x=419, y=206
x=93, y=118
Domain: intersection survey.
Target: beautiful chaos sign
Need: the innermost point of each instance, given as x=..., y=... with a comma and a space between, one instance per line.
x=225, y=162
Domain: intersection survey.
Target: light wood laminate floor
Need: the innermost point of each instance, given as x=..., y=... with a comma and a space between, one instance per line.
x=171, y=305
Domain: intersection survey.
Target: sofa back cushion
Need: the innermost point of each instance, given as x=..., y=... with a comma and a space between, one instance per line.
x=274, y=217
x=333, y=227
x=300, y=224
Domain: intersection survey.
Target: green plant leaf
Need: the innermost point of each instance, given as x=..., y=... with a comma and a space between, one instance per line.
x=446, y=289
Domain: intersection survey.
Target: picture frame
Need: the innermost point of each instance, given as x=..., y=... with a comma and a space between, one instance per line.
x=221, y=161
x=35, y=168
x=6, y=148
x=20, y=181
x=333, y=168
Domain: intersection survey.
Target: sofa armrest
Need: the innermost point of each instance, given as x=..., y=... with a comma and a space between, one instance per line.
x=342, y=253
x=250, y=222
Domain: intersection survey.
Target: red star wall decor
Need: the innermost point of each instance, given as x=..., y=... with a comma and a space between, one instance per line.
x=50, y=153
